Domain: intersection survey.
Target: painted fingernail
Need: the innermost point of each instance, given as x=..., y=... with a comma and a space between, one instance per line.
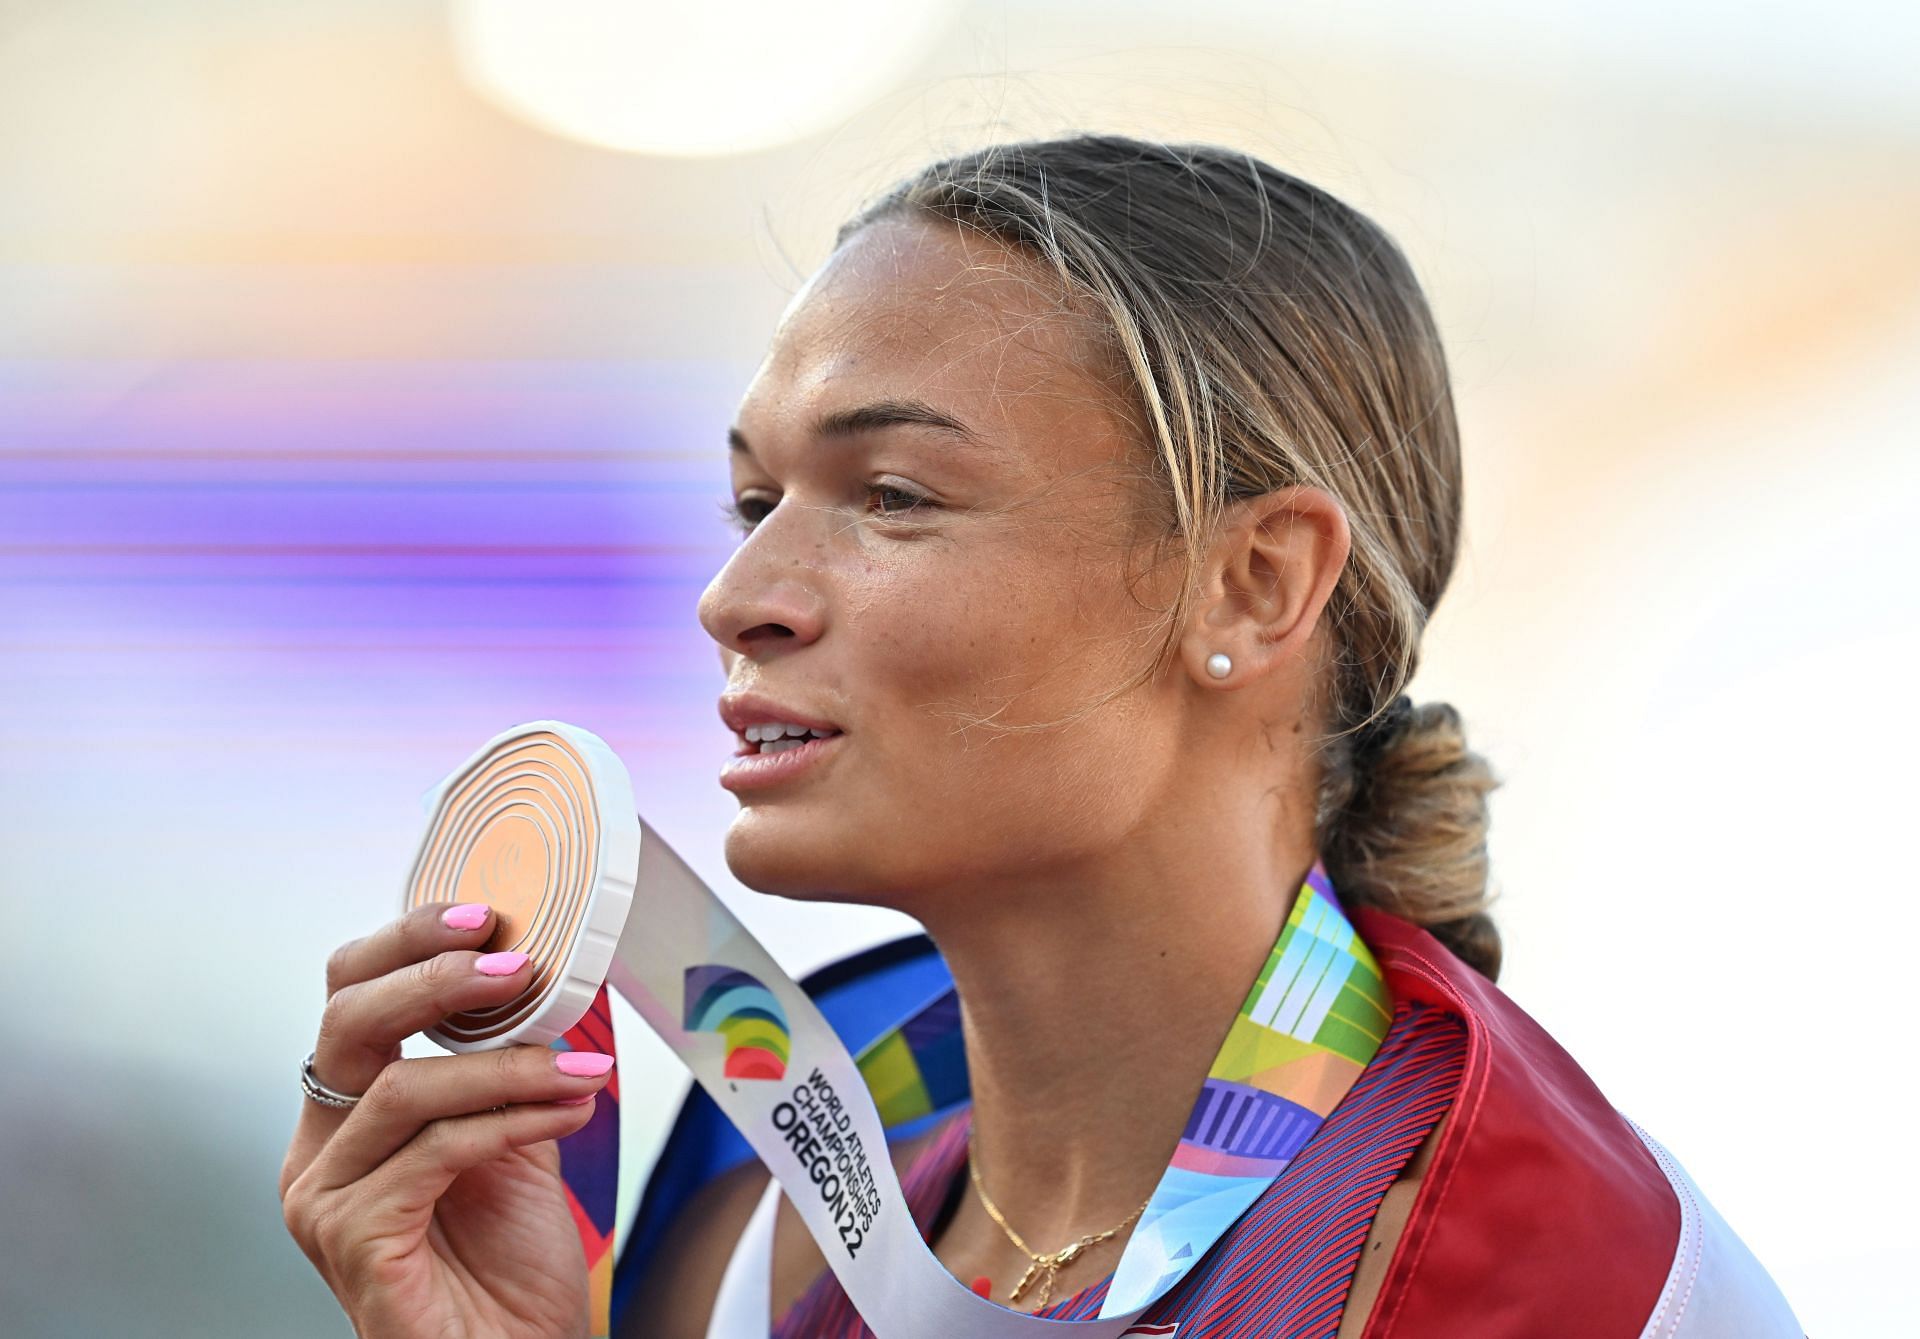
x=574, y=1101
x=499, y=964
x=465, y=916
x=582, y=1064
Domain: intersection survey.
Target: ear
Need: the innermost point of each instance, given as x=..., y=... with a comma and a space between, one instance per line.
x=1270, y=571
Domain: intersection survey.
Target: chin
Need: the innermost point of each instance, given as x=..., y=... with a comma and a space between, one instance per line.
x=788, y=856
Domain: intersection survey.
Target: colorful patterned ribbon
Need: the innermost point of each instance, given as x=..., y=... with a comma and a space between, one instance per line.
x=590, y=1164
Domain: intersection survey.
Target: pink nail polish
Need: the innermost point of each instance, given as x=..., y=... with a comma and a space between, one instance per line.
x=582, y=1064
x=499, y=964
x=573, y=1101
x=465, y=916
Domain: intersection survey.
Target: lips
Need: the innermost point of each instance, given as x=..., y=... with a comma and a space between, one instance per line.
x=739, y=710
x=751, y=769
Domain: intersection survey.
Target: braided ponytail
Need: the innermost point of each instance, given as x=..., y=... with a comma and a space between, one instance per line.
x=1404, y=828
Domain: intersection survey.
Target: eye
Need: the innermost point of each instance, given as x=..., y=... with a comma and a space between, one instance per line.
x=913, y=501
x=745, y=513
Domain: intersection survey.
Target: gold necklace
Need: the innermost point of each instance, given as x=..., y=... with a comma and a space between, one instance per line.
x=1050, y=1261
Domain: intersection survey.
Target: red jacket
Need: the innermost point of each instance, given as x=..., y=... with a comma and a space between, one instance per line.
x=1543, y=1212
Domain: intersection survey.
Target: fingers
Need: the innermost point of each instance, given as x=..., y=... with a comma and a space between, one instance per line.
x=408, y=1184
x=409, y=975
x=364, y=1023
x=416, y=934
x=334, y=1226
x=410, y=1097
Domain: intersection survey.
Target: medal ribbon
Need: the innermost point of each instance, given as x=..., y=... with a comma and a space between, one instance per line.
x=590, y=1165
x=1312, y=1020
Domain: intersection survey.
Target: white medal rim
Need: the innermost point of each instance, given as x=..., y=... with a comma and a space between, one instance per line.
x=610, y=893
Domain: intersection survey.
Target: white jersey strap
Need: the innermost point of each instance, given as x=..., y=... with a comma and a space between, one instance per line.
x=1715, y=1289
x=744, y=1308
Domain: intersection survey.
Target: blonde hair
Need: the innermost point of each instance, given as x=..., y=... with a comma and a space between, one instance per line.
x=1270, y=335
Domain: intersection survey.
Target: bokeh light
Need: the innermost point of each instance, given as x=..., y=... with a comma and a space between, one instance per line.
x=691, y=79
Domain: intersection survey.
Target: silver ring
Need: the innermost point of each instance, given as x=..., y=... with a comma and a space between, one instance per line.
x=319, y=1091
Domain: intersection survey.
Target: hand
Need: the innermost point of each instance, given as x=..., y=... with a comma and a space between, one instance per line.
x=428, y=1213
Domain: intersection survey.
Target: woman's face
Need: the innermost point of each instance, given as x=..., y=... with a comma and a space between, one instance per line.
x=942, y=596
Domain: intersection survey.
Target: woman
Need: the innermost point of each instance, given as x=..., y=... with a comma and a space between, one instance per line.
x=1094, y=496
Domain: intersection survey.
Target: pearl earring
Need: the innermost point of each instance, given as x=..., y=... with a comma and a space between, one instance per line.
x=1219, y=665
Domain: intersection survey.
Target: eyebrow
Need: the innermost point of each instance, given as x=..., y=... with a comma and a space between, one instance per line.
x=870, y=417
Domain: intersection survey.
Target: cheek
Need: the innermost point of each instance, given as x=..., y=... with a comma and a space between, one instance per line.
x=988, y=671
x=956, y=640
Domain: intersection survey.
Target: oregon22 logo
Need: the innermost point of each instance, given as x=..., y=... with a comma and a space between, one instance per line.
x=744, y=1012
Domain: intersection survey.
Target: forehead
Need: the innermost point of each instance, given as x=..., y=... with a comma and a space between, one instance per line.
x=913, y=307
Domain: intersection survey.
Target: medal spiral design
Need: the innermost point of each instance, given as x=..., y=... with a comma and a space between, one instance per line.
x=517, y=829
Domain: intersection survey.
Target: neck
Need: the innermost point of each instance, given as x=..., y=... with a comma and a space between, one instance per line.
x=1092, y=1007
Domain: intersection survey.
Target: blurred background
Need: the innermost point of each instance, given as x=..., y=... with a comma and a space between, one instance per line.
x=364, y=369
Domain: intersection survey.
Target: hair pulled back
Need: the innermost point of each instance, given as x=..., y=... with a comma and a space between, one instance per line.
x=1269, y=336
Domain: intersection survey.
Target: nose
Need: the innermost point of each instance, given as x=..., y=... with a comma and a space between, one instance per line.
x=764, y=601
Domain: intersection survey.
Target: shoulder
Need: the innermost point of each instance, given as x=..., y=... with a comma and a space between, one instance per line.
x=1530, y=1136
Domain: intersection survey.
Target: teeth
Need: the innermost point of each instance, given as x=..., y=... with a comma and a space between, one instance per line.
x=775, y=730
x=782, y=745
